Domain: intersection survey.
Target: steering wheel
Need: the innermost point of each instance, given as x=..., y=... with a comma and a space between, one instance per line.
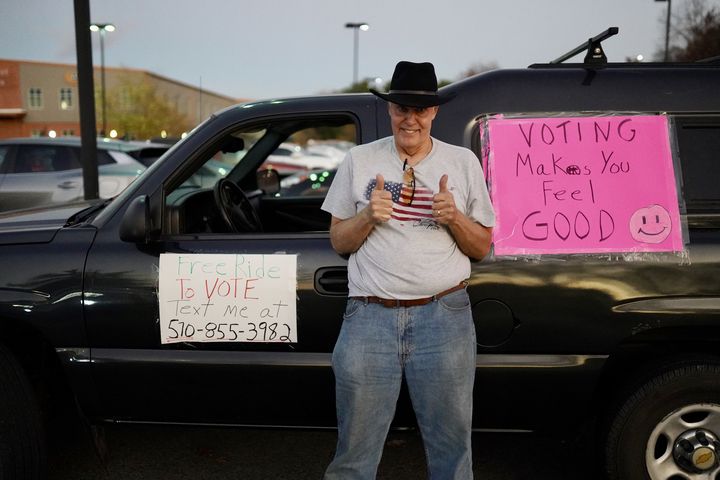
x=235, y=207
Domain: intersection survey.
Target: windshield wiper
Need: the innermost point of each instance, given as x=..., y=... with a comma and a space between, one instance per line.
x=86, y=213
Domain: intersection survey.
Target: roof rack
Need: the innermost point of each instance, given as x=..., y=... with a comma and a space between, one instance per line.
x=595, y=54
x=710, y=60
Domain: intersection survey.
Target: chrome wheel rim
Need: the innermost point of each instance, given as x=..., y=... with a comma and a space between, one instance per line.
x=678, y=445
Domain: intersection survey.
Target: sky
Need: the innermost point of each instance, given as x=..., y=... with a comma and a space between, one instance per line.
x=265, y=49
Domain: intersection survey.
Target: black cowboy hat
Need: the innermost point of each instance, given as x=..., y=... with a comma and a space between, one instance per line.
x=414, y=85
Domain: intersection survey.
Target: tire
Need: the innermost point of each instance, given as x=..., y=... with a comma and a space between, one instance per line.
x=679, y=402
x=22, y=450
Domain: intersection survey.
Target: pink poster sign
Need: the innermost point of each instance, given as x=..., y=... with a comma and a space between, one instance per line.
x=583, y=185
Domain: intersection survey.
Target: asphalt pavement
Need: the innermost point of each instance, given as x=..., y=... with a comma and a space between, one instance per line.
x=151, y=452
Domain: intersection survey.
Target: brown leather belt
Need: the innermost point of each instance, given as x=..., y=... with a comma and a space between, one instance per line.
x=415, y=302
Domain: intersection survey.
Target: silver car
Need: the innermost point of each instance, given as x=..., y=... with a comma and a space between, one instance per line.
x=45, y=171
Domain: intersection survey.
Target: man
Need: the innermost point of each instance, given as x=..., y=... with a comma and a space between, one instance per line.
x=411, y=212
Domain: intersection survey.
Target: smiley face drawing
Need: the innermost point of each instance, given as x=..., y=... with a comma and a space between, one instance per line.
x=650, y=224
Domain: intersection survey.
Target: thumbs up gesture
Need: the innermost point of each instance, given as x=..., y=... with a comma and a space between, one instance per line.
x=380, y=207
x=379, y=182
x=444, y=210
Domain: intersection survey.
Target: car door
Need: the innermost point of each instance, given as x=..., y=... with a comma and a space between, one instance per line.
x=140, y=378
x=40, y=174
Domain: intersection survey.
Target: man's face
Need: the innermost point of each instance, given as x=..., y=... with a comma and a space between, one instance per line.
x=411, y=125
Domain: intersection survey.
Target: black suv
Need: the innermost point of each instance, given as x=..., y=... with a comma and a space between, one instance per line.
x=115, y=298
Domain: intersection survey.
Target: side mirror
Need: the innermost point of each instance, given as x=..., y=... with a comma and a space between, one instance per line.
x=232, y=145
x=268, y=180
x=135, y=224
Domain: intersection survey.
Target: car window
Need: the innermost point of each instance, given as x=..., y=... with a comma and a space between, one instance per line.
x=698, y=143
x=221, y=160
x=699, y=148
x=104, y=158
x=44, y=158
x=148, y=156
x=283, y=167
x=312, y=183
x=283, y=151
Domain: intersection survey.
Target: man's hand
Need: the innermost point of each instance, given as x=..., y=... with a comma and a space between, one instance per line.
x=348, y=235
x=444, y=210
x=380, y=207
x=472, y=238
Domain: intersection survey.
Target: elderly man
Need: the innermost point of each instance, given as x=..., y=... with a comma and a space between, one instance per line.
x=411, y=211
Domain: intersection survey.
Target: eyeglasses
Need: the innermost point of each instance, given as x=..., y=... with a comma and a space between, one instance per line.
x=408, y=183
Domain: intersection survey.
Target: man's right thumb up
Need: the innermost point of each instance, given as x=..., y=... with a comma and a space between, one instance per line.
x=379, y=182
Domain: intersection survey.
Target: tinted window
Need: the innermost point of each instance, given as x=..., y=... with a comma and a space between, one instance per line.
x=43, y=158
x=699, y=146
x=104, y=158
x=283, y=151
x=147, y=156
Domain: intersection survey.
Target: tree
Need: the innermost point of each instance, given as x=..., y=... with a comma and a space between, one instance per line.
x=359, y=87
x=478, y=67
x=696, y=33
x=137, y=111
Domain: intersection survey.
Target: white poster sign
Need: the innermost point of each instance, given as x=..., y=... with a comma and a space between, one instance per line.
x=227, y=298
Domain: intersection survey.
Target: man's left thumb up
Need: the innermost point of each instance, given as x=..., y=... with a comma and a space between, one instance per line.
x=443, y=183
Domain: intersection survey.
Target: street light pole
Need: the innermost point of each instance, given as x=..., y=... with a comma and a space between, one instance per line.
x=102, y=28
x=356, y=28
x=667, y=32
x=667, y=28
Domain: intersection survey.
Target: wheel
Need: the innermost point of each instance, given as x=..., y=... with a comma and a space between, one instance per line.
x=669, y=428
x=22, y=449
x=235, y=208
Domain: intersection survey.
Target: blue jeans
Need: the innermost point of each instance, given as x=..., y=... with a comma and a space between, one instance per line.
x=433, y=345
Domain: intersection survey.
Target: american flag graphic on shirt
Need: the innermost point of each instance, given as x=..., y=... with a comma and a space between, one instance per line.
x=421, y=207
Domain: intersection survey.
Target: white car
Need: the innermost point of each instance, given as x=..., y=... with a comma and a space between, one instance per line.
x=290, y=158
x=337, y=154
x=45, y=171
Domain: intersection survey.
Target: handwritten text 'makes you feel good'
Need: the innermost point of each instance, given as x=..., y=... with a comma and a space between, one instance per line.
x=592, y=144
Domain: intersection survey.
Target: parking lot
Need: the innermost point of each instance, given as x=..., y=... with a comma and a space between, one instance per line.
x=179, y=453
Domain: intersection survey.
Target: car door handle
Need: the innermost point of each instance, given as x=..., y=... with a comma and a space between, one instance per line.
x=331, y=281
x=67, y=185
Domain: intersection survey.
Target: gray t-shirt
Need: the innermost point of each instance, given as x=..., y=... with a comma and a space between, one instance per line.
x=411, y=255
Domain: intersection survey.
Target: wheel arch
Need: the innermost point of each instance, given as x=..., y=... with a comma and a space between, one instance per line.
x=38, y=359
x=641, y=356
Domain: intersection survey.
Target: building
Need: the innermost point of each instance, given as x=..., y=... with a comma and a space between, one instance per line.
x=39, y=98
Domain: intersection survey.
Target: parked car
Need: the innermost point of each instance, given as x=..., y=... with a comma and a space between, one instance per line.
x=334, y=150
x=289, y=158
x=144, y=152
x=44, y=171
x=307, y=183
x=184, y=303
